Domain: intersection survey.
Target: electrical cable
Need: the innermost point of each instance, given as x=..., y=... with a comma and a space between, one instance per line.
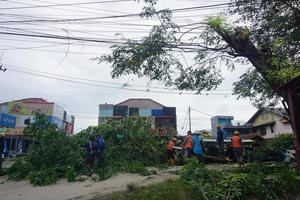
x=110, y=17
x=64, y=4
x=73, y=80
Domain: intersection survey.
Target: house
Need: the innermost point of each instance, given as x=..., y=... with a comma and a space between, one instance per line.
x=270, y=123
x=163, y=118
x=226, y=124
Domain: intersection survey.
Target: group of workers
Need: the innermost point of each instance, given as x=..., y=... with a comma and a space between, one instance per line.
x=94, y=151
x=193, y=146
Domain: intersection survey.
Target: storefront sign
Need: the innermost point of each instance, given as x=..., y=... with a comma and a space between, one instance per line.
x=13, y=131
x=8, y=121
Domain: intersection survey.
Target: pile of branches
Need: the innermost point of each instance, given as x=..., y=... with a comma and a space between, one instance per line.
x=130, y=147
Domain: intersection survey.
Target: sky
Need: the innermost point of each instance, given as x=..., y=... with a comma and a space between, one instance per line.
x=62, y=71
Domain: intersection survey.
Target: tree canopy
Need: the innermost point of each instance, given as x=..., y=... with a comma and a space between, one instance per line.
x=270, y=43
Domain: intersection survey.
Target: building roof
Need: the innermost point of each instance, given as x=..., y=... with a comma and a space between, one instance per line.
x=141, y=103
x=278, y=111
x=31, y=100
x=223, y=116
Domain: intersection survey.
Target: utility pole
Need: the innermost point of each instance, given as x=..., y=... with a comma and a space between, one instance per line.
x=190, y=123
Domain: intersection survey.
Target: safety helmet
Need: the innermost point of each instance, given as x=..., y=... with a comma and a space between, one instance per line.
x=174, y=139
x=218, y=126
x=236, y=133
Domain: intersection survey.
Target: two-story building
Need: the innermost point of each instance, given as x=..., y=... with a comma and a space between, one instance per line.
x=163, y=118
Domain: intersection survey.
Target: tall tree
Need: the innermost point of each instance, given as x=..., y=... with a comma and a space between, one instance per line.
x=270, y=44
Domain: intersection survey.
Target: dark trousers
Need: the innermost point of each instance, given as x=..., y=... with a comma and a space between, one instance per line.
x=170, y=154
x=221, y=147
x=238, y=155
x=90, y=159
x=189, y=152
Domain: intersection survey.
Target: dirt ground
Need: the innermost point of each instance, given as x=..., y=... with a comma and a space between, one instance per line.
x=88, y=189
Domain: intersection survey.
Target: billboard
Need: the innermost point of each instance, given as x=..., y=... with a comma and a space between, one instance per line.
x=8, y=121
x=20, y=108
x=59, y=123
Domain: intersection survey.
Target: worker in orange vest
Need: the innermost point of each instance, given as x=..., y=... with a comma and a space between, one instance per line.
x=170, y=152
x=188, y=144
x=236, y=144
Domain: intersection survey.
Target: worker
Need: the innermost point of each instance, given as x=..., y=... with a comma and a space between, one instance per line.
x=198, y=146
x=236, y=144
x=170, y=152
x=221, y=135
x=188, y=144
x=180, y=153
x=91, y=153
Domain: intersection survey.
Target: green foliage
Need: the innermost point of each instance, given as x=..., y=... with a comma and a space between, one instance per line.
x=19, y=170
x=255, y=181
x=274, y=148
x=253, y=86
x=43, y=177
x=130, y=146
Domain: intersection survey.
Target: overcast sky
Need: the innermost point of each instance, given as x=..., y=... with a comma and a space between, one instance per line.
x=81, y=99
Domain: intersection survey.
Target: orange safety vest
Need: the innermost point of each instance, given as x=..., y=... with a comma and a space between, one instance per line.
x=189, y=142
x=170, y=145
x=236, y=142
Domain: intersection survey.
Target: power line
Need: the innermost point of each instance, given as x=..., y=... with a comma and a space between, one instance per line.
x=64, y=4
x=76, y=80
x=110, y=17
x=201, y=112
x=89, y=80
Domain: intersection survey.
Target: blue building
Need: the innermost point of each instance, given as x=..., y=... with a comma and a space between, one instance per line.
x=226, y=123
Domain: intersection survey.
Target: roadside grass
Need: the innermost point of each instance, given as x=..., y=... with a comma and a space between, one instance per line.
x=167, y=190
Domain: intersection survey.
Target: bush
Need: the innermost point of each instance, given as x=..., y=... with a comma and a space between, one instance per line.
x=255, y=181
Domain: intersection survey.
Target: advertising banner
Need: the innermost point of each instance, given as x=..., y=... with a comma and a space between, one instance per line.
x=22, y=121
x=19, y=108
x=8, y=121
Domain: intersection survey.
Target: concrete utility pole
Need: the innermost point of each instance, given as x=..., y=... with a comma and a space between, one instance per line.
x=190, y=123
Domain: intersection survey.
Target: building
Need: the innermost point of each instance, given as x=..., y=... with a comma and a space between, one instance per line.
x=270, y=123
x=163, y=118
x=227, y=125
x=16, y=115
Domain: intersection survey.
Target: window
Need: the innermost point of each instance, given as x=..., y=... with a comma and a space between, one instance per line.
x=272, y=131
x=263, y=131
